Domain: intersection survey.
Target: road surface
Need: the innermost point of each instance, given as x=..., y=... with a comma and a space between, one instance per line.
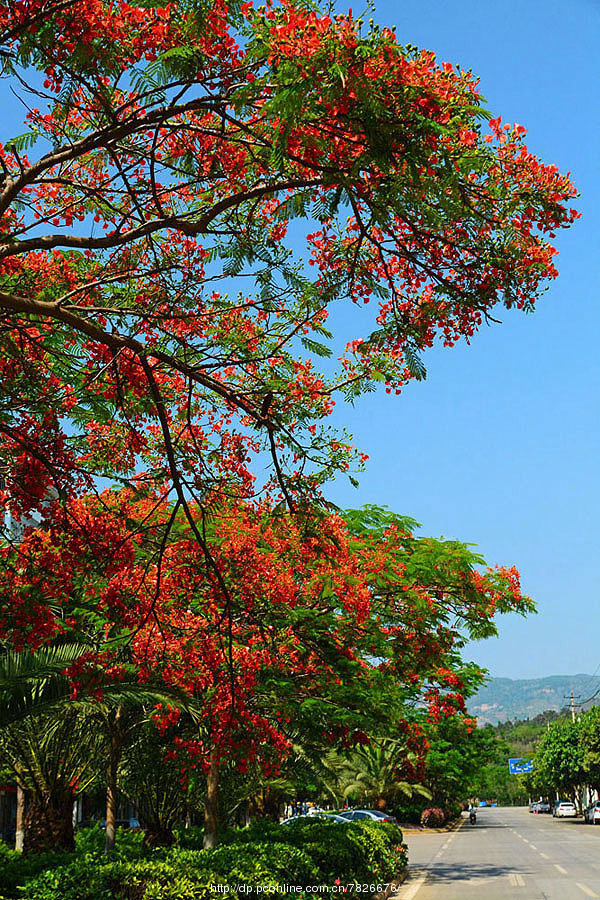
x=508, y=853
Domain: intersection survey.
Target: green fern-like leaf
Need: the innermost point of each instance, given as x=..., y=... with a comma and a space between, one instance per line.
x=414, y=363
x=316, y=347
x=22, y=141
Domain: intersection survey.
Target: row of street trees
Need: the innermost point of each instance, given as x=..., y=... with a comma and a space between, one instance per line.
x=196, y=186
x=332, y=643
x=567, y=758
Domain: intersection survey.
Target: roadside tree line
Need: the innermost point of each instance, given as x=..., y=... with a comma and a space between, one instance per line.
x=346, y=639
x=567, y=759
x=565, y=754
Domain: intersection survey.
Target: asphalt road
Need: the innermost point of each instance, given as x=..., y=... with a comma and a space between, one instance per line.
x=508, y=853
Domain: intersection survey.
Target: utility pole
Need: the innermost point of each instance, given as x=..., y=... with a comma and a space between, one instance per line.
x=573, y=704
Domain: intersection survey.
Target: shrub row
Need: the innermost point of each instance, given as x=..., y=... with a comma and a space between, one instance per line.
x=303, y=853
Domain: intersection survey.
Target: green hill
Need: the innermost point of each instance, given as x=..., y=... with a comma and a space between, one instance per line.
x=503, y=699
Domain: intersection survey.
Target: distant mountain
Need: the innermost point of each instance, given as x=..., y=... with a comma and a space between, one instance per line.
x=502, y=699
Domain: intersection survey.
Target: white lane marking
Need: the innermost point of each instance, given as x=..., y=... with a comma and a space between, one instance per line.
x=516, y=880
x=413, y=888
x=519, y=835
x=533, y=847
x=545, y=855
x=586, y=889
x=560, y=869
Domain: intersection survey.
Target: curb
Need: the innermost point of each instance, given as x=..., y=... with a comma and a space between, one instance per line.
x=450, y=826
x=388, y=891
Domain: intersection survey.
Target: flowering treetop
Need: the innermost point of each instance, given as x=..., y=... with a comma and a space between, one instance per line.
x=196, y=186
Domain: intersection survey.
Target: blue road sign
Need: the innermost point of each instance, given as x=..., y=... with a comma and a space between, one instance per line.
x=520, y=766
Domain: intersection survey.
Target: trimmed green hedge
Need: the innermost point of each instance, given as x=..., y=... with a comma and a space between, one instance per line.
x=303, y=853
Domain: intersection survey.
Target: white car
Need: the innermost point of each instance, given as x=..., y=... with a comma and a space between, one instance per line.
x=592, y=813
x=564, y=809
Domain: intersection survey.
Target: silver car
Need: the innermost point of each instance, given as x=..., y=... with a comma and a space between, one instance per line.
x=354, y=815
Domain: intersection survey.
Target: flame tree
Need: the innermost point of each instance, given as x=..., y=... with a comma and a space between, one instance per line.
x=197, y=184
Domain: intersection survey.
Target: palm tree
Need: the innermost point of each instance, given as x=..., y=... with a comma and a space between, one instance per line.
x=34, y=683
x=52, y=739
x=39, y=746
x=372, y=772
x=51, y=757
x=153, y=780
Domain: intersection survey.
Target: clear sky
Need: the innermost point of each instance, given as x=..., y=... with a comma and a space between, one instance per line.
x=499, y=446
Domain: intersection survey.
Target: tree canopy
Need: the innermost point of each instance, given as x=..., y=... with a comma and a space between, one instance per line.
x=197, y=185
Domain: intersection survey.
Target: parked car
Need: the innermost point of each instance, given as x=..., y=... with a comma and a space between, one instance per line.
x=544, y=807
x=336, y=817
x=534, y=807
x=354, y=815
x=591, y=813
x=316, y=817
x=564, y=809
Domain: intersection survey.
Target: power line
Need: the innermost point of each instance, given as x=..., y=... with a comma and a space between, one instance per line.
x=588, y=686
x=593, y=696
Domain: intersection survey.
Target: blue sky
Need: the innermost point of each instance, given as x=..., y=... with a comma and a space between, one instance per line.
x=500, y=445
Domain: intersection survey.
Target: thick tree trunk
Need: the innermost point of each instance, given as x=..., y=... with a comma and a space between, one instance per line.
x=48, y=823
x=211, y=809
x=270, y=804
x=114, y=757
x=111, y=794
x=19, y=835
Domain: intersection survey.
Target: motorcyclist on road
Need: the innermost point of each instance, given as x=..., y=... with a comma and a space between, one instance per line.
x=472, y=815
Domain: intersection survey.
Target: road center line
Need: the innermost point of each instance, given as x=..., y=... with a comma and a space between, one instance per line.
x=545, y=855
x=533, y=847
x=586, y=889
x=560, y=869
